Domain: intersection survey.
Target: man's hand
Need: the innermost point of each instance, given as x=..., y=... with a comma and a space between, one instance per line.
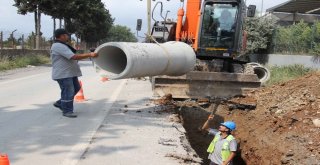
x=210, y=117
x=93, y=54
x=206, y=124
x=84, y=56
x=229, y=159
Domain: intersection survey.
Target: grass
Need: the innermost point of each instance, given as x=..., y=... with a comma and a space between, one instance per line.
x=286, y=73
x=24, y=61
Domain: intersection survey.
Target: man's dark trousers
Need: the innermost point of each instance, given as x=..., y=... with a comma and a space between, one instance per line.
x=69, y=88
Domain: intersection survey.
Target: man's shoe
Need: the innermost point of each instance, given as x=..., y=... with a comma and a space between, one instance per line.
x=70, y=115
x=57, y=106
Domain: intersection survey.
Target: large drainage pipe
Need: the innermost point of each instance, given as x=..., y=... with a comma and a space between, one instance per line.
x=129, y=60
x=262, y=73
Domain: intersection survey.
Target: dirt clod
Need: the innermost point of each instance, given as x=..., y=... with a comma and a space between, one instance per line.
x=165, y=100
x=316, y=122
x=167, y=142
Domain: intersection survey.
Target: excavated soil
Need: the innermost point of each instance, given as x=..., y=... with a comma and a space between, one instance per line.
x=275, y=125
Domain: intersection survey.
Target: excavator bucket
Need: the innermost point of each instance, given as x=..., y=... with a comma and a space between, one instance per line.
x=199, y=84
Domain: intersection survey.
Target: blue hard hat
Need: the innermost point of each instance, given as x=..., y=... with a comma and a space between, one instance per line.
x=230, y=125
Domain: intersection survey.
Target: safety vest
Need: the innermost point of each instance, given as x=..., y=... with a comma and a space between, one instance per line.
x=225, y=152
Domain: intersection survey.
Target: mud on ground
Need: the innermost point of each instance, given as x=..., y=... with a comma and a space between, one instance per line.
x=282, y=129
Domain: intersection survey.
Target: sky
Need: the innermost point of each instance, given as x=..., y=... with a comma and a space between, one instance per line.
x=125, y=12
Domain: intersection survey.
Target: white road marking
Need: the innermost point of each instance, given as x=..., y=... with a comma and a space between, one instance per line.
x=21, y=79
x=76, y=151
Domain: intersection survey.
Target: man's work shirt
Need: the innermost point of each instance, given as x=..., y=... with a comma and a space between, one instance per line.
x=216, y=157
x=62, y=64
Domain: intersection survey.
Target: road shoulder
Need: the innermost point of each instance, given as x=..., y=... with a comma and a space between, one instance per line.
x=137, y=132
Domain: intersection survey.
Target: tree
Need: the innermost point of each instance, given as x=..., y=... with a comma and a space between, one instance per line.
x=89, y=20
x=65, y=9
x=295, y=39
x=260, y=30
x=92, y=22
x=31, y=6
x=316, y=40
x=120, y=33
x=51, y=8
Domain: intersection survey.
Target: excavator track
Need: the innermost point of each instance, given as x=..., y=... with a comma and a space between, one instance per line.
x=199, y=84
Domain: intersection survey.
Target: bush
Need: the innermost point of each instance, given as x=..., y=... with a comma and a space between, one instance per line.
x=24, y=61
x=260, y=30
x=286, y=73
x=120, y=33
x=299, y=38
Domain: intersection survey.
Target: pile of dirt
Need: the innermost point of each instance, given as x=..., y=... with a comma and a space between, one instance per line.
x=282, y=129
x=275, y=125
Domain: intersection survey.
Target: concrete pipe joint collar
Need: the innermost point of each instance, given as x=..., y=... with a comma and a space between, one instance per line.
x=129, y=60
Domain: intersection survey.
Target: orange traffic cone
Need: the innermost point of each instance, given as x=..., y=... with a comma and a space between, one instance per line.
x=104, y=79
x=79, y=97
x=4, y=160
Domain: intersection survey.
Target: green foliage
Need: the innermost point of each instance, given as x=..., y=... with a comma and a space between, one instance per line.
x=24, y=61
x=299, y=38
x=120, y=33
x=26, y=6
x=89, y=20
x=286, y=73
x=315, y=40
x=294, y=39
x=316, y=49
x=260, y=30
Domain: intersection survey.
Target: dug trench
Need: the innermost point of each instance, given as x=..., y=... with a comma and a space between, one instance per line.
x=192, y=118
x=279, y=124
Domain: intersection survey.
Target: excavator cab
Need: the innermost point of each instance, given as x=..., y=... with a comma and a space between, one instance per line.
x=220, y=30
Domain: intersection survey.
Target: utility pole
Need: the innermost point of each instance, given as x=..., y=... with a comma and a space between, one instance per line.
x=261, y=7
x=1, y=39
x=149, y=16
x=148, y=19
x=22, y=41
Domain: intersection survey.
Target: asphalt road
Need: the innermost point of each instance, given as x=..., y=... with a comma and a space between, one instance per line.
x=32, y=131
x=116, y=125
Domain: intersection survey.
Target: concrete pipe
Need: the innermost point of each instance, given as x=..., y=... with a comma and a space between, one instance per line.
x=262, y=73
x=129, y=60
x=254, y=64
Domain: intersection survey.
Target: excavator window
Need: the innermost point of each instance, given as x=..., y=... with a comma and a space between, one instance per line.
x=218, y=25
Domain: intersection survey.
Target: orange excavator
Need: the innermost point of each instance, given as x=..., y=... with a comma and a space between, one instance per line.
x=214, y=29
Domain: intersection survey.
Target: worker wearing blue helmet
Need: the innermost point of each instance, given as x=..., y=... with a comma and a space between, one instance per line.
x=223, y=147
